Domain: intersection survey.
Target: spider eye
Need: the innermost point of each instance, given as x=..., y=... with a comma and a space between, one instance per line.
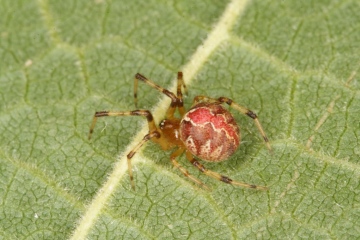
x=165, y=124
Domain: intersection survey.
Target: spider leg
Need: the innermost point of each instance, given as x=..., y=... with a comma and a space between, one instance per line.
x=175, y=101
x=145, y=113
x=180, y=83
x=218, y=176
x=173, y=157
x=146, y=138
x=153, y=132
x=239, y=108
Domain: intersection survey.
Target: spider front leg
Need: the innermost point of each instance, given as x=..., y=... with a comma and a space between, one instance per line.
x=239, y=108
x=146, y=138
x=218, y=176
x=176, y=100
x=153, y=132
x=145, y=113
x=180, y=84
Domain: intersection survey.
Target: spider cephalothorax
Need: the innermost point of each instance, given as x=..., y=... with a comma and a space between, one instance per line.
x=207, y=131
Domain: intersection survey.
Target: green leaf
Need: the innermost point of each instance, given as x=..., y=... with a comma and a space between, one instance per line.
x=295, y=63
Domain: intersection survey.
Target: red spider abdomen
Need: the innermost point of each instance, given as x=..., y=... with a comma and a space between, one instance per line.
x=210, y=132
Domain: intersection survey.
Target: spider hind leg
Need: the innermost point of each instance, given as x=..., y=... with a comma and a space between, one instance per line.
x=218, y=176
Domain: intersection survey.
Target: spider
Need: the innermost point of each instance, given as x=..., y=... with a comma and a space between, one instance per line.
x=207, y=131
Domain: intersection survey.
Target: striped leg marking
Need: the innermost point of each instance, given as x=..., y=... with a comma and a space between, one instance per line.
x=176, y=101
x=145, y=113
x=180, y=84
x=173, y=157
x=146, y=138
x=220, y=177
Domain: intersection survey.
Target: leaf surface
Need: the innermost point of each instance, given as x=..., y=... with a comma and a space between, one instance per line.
x=294, y=63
